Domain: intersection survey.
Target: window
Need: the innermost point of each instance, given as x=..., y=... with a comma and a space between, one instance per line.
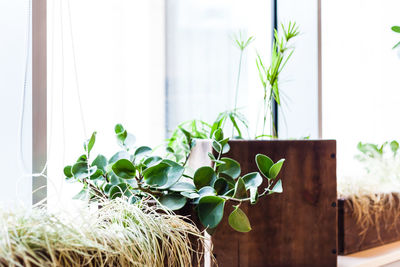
x=113, y=51
x=360, y=75
x=202, y=59
x=151, y=65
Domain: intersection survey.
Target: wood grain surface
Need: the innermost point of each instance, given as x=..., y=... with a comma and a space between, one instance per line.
x=296, y=228
x=349, y=238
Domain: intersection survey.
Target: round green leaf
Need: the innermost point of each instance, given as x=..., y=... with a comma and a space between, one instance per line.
x=80, y=170
x=96, y=175
x=205, y=191
x=82, y=158
x=203, y=176
x=151, y=161
x=124, y=168
x=277, y=188
x=173, y=201
x=217, y=146
x=211, y=210
x=119, y=155
x=396, y=29
x=275, y=169
x=157, y=174
x=121, y=133
x=231, y=182
x=120, y=190
x=218, y=135
x=253, y=195
x=119, y=129
x=142, y=151
x=114, y=179
x=240, y=189
x=190, y=195
x=238, y=220
x=129, y=142
x=264, y=163
x=252, y=179
x=221, y=186
x=394, y=146
x=226, y=148
x=107, y=188
x=231, y=167
x=183, y=187
x=174, y=173
x=68, y=171
x=101, y=162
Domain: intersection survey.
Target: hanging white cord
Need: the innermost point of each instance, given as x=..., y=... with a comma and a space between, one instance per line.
x=76, y=71
x=77, y=82
x=23, y=96
x=42, y=173
x=62, y=81
x=25, y=85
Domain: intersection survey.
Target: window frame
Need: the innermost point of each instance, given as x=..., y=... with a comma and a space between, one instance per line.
x=39, y=99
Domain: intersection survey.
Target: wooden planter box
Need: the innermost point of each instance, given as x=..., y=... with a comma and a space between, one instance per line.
x=296, y=228
x=349, y=238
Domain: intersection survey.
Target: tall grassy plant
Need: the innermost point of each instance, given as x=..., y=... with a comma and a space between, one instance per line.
x=269, y=76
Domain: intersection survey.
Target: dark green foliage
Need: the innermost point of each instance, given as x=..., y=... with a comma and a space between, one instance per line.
x=135, y=173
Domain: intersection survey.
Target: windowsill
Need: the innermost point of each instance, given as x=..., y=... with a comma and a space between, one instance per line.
x=379, y=256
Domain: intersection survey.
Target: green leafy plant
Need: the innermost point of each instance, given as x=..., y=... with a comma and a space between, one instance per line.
x=269, y=76
x=242, y=43
x=371, y=189
x=237, y=119
x=178, y=146
x=369, y=150
x=134, y=173
x=396, y=29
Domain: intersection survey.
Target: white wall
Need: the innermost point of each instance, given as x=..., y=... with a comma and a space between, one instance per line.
x=298, y=116
x=16, y=185
x=361, y=88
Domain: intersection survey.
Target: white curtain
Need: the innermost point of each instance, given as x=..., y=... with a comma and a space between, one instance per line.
x=117, y=48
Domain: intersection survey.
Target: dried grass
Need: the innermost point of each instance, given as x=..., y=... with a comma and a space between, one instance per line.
x=374, y=194
x=119, y=234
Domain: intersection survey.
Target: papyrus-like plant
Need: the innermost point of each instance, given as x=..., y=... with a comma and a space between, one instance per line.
x=269, y=75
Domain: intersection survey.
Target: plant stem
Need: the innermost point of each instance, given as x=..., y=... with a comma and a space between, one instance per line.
x=265, y=111
x=238, y=79
x=237, y=84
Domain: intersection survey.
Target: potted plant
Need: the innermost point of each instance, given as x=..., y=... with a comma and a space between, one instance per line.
x=283, y=229
x=136, y=173
x=368, y=205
